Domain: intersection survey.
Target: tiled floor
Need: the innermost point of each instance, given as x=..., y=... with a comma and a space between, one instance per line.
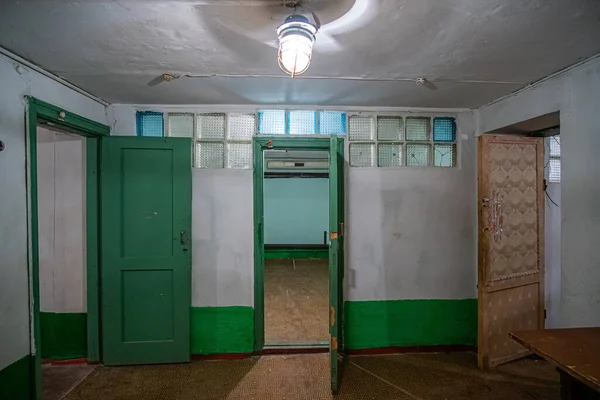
x=395, y=377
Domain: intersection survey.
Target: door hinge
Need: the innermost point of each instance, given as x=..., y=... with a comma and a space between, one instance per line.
x=342, y=229
x=545, y=314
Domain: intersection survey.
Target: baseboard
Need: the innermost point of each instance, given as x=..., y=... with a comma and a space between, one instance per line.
x=225, y=356
x=292, y=252
x=67, y=362
x=458, y=348
x=294, y=350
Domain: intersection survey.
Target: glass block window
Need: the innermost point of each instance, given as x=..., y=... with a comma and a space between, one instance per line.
x=332, y=123
x=210, y=126
x=553, y=164
x=361, y=127
x=150, y=123
x=417, y=128
x=180, y=125
x=444, y=155
x=210, y=154
x=554, y=142
x=362, y=154
x=239, y=155
x=271, y=122
x=389, y=154
x=224, y=140
x=241, y=126
x=412, y=141
x=389, y=128
x=302, y=122
x=418, y=155
x=444, y=129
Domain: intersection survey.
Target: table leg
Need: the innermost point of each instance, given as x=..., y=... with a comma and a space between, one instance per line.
x=572, y=389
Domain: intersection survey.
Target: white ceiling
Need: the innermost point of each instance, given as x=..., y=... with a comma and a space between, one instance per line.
x=473, y=51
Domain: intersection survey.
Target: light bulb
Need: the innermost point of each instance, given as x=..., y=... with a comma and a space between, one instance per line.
x=295, y=51
x=296, y=39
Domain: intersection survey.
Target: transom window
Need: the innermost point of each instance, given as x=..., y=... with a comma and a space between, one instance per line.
x=301, y=122
x=395, y=141
x=224, y=140
x=553, y=145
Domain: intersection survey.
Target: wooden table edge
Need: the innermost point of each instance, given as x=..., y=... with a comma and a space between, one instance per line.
x=573, y=373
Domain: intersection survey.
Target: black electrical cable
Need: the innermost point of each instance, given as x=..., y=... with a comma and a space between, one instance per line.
x=550, y=198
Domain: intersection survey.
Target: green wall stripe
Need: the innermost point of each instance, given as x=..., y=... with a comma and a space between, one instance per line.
x=368, y=324
x=15, y=380
x=296, y=253
x=64, y=335
x=373, y=324
x=219, y=330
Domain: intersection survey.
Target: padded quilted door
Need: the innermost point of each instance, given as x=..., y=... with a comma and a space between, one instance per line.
x=511, y=244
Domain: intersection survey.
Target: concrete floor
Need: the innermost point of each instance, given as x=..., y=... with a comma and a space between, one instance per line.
x=296, y=301
x=58, y=380
x=394, y=377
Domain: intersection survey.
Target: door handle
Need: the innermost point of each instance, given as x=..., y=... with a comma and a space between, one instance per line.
x=183, y=240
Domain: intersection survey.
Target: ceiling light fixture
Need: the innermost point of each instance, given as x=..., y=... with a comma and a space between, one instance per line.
x=296, y=39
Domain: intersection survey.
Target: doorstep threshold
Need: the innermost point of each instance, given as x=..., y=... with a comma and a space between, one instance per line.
x=295, y=347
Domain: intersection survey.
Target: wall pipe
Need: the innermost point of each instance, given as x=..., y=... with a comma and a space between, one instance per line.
x=50, y=75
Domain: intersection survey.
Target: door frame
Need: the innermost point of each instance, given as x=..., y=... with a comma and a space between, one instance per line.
x=40, y=111
x=259, y=144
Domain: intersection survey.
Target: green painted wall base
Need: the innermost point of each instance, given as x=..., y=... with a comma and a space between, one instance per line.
x=373, y=324
x=64, y=335
x=296, y=253
x=16, y=380
x=367, y=325
x=219, y=330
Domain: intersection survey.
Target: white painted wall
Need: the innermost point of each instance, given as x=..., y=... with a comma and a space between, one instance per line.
x=222, y=238
x=552, y=256
x=14, y=290
x=61, y=216
x=575, y=94
x=411, y=231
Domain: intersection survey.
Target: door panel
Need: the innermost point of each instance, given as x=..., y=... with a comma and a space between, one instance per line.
x=511, y=244
x=335, y=260
x=146, y=259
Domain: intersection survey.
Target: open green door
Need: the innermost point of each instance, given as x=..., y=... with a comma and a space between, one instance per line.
x=336, y=257
x=145, y=254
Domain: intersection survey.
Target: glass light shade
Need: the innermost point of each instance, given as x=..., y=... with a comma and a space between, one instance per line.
x=294, y=53
x=296, y=39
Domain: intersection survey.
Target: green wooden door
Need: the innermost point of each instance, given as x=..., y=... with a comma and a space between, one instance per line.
x=336, y=256
x=145, y=254
x=341, y=178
